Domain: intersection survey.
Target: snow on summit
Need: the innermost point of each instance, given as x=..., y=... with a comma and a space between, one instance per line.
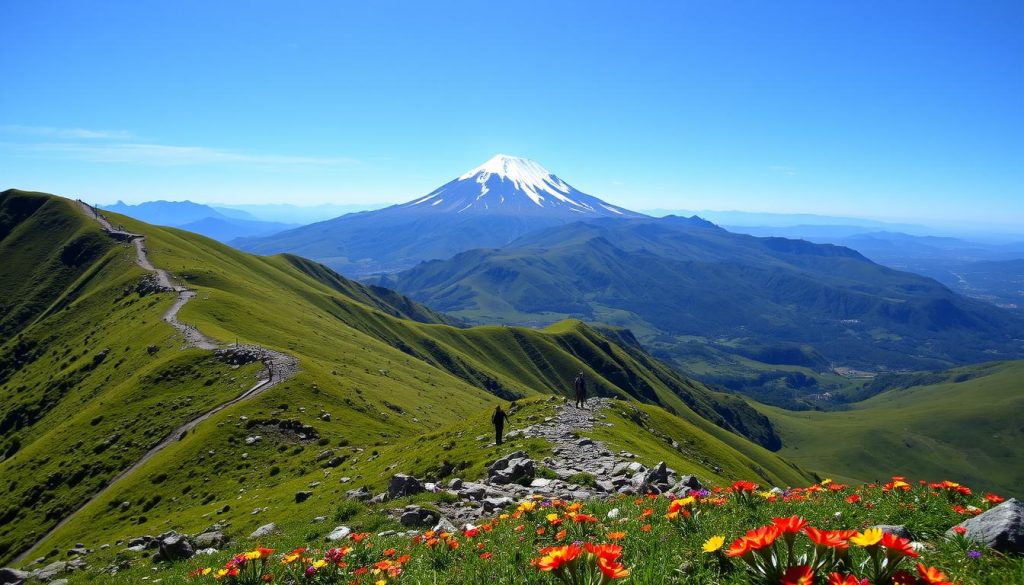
x=511, y=185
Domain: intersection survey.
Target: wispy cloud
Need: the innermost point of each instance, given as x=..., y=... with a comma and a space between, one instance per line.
x=783, y=170
x=67, y=133
x=163, y=154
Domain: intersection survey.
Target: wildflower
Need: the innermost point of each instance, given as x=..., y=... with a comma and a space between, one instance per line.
x=612, y=569
x=826, y=538
x=790, y=525
x=853, y=498
x=713, y=544
x=931, y=575
x=994, y=499
x=486, y=555
x=555, y=557
x=896, y=546
x=974, y=554
x=960, y=530
x=799, y=575
x=560, y=535
x=616, y=535
x=645, y=528
x=837, y=579
x=869, y=537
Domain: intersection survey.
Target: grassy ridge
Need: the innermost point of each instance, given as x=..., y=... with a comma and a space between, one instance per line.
x=370, y=381
x=967, y=426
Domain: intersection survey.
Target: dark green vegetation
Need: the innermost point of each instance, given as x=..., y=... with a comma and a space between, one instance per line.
x=962, y=425
x=777, y=303
x=93, y=378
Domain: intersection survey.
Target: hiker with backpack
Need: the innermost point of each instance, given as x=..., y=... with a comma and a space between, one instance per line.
x=498, y=420
x=581, y=390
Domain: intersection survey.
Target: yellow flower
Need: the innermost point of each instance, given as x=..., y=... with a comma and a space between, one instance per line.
x=714, y=543
x=552, y=517
x=381, y=582
x=826, y=481
x=527, y=506
x=319, y=564
x=252, y=555
x=868, y=537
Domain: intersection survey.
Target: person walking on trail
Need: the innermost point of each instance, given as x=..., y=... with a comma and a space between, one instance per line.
x=581, y=390
x=498, y=420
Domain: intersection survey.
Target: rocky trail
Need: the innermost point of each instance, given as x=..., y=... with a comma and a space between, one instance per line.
x=278, y=366
x=578, y=469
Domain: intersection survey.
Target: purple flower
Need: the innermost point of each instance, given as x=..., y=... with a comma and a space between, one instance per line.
x=974, y=554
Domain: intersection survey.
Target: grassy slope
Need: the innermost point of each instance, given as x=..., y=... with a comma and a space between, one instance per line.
x=966, y=431
x=385, y=382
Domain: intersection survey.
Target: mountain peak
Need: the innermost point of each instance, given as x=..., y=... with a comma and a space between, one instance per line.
x=526, y=175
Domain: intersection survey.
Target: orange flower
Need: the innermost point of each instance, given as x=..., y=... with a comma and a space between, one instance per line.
x=931, y=575
x=609, y=551
x=896, y=546
x=645, y=528
x=560, y=534
x=829, y=538
x=612, y=569
x=616, y=535
x=739, y=548
x=852, y=498
x=791, y=525
x=994, y=499
x=762, y=537
x=555, y=557
x=800, y=575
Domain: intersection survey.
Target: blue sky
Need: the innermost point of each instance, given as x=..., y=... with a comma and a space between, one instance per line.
x=900, y=110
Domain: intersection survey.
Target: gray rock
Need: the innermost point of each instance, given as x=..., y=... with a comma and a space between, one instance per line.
x=264, y=531
x=59, y=582
x=140, y=540
x=212, y=539
x=379, y=498
x=334, y=461
x=493, y=504
x=9, y=576
x=174, y=547
x=455, y=484
x=896, y=529
x=416, y=516
x=302, y=496
x=690, y=482
x=50, y=571
x=318, y=519
x=445, y=525
x=511, y=468
x=1001, y=528
x=540, y=482
x=362, y=494
x=404, y=485
x=324, y=455
x=473, y=492
x=137, y=548
x=339, y=533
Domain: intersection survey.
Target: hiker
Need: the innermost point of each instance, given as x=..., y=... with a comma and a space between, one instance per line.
x=581, y=390
x=498, y=420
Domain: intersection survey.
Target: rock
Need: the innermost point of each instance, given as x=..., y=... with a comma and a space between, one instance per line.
x=125, y=505
x=416, y=516
x=492, y=504
x=207, y=551
x=613, y=513
x=9, y=576
x=690, y=482
x=473, y=492
x=253, y=439
x=605, y=485
x=173, y=547
x=895, y=529
x=59, y=582
x=140, y=540
x=359, y=494
x=334, y=462
x=339, y=533
x=213, y=539
x=540, y=482
x=50, y=571
x=585, y=442
x=136, y=548
x=1001, y=528
x=511, y=468
x=318, y=519
x=379, y=498
x=345, y=479
x=224, y=509
x=324, y=455
x=302, y=496
x=444, y=525
x=403, y=485
x=77, y=551
x=264, y=531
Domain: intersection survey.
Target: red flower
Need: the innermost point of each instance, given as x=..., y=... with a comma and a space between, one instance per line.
x=801, y=575
x=896, y=545
x=791, y=525
x=612, y=569
x=829, y=538
x=837, y=579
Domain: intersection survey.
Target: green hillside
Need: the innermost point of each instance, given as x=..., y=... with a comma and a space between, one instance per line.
x=965, y=427
x=93, y=378
x=775, y=303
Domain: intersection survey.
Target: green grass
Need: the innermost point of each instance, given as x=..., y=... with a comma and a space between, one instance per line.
x=968, y=429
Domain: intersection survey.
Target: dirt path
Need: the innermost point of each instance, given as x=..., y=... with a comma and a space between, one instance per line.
x=278, y=366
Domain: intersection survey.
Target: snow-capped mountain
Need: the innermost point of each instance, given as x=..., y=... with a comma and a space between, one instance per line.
x=515, y=186
x=487, y=207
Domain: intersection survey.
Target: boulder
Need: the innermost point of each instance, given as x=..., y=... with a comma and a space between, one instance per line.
x=361, y=494
x=689, y=482
x=444, y=525
x=50, y=571
x=895, y=529
x=511, y=468
x=264, y=531
x=1001, y=528
x=339, y=533
x=493, y=504
x=334, y=461
x=403, y=485
x=9, y=576
x=415, y=516
x=212, y=539
x=174, y=547
x=302, y=496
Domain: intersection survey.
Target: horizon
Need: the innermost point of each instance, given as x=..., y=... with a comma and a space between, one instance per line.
x=902, y=114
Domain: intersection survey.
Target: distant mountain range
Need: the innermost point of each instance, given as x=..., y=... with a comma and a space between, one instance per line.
x=491, y=205
x=675, y=280
x=221, y=224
